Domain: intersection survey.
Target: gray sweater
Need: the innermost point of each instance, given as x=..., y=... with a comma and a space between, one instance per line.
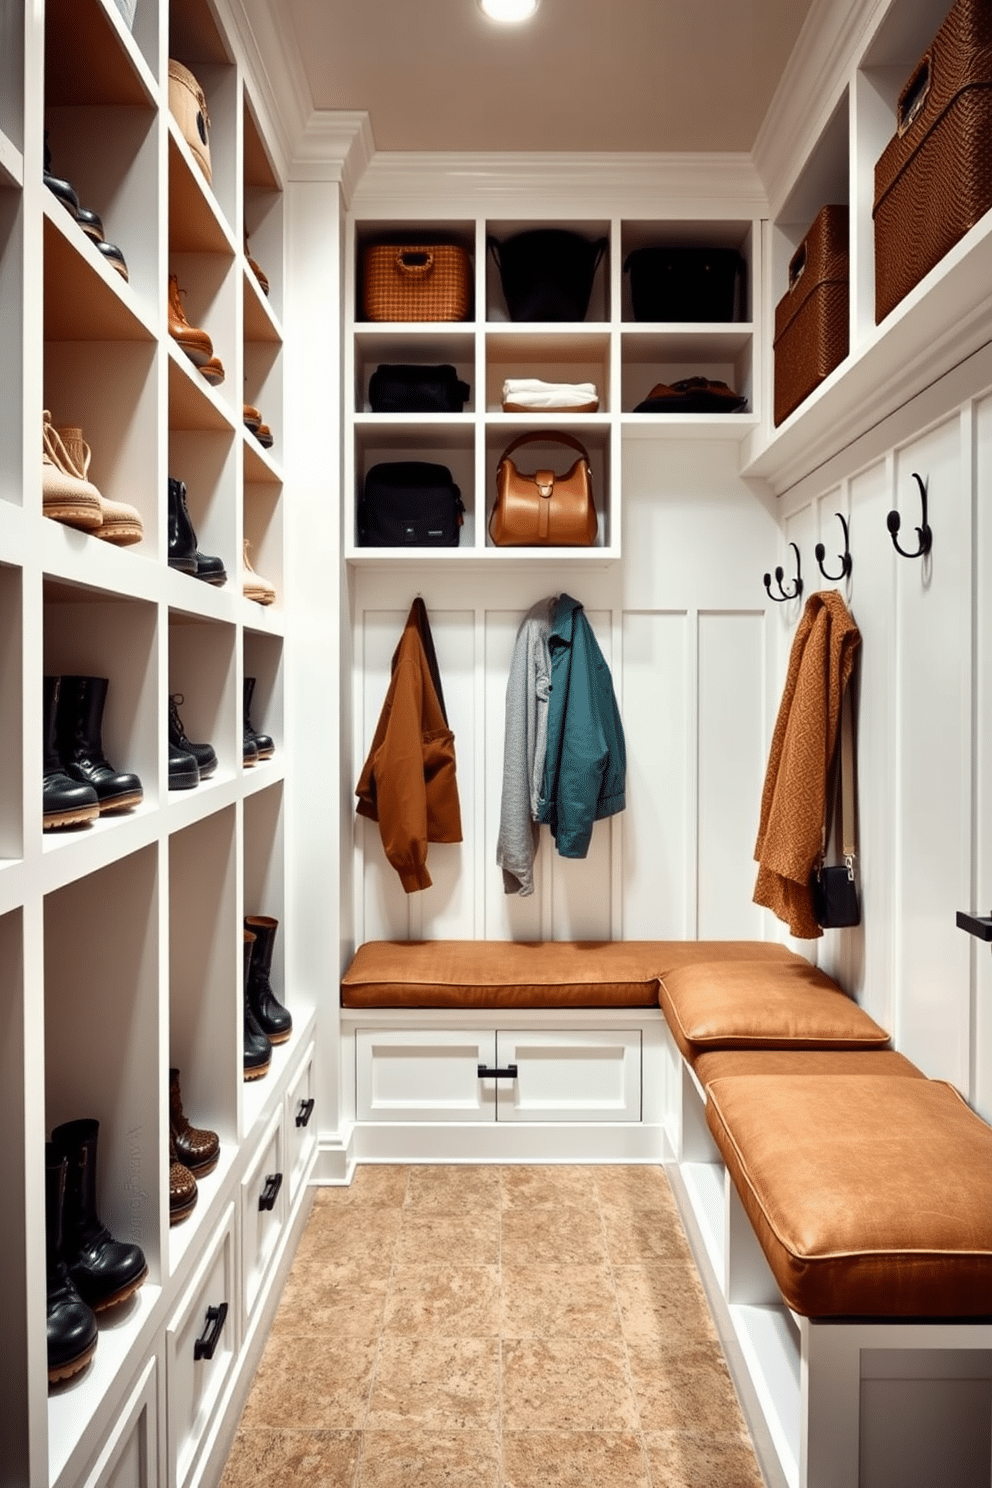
x=527, y=689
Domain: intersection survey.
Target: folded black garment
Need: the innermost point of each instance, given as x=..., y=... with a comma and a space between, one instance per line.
x=410, y=389
x=692, y=395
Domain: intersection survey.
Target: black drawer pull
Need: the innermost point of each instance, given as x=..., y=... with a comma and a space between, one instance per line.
x=978, y=925
x=510, y=1073
x=208, y=1340
x=305, y=1112
x=267, y=1198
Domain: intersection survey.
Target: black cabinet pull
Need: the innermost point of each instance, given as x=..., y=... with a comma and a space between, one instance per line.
x=208, y=1340
x=510, y=1073
x=305, y=1112
x=978, y=925
x=267, y=1198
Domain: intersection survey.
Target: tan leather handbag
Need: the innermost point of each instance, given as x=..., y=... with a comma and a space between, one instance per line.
x=543, y=509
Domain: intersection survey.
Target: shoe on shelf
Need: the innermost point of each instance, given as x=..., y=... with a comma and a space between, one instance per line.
x=64, y=802
x=114, y=257
x=103, y=1270
x=195, y=342
x=264, y=743
x=92, y=224
x=257, y=1046
x=260, y=275
x=275, y=1021
x=264, y=436
x=184, y=554
x=252, y=418
x=184, y=772
x=78, y=728
x=58, y=187
x=183, y=1192
x=203, y=754
x=196, y=1147
x=71, y=1324
x=249, y=751
x=253, y=586
x=66, y=495
x=120, y=524
x=90, y=221
x=213, y=371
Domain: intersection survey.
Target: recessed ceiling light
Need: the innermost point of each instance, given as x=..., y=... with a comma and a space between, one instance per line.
x=508, y=10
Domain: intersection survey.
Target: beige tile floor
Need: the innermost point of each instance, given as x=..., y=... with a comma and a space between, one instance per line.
x=493, y=1327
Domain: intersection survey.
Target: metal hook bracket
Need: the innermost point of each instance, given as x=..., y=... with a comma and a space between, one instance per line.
x=846, y=561
x=797, y=586
x=925, y=536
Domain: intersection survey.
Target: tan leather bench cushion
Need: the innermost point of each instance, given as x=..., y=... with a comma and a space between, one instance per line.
x=500, y=973
x=712, y=1064
x=870, y=1196
x=771, y=1004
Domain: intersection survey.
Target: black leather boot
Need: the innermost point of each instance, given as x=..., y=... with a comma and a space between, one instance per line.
x=203, y=754
x=72, y=1332
x=275, y=1021
x=195, y=1147
x=183, y=551
x=264, y=744
x=103, y=1270
x=257, y=1048
x=79, y=730
x=65, y=802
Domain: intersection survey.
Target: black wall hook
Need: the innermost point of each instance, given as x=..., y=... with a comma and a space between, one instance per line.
x=893, y=521
x=846, y=561
x=797, y=587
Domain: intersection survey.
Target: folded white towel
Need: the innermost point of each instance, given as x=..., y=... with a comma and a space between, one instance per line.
x=532, y=392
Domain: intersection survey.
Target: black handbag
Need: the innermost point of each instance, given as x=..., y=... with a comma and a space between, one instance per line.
x=686, y=284
x=547, y=273
x=409, y=504
x=410, y=389
x=834, y=889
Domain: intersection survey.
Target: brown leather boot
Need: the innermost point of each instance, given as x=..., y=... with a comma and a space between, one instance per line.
x=196, y=1147
x=182, y=1188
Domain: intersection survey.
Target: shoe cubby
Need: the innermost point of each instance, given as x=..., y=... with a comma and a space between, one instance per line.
x=652, y=356
x=205, y=461
x=196, y=40
x=202, y=674
x=22, y=1148
x=12, y=88
x=263, y=391
x=446, y=440
x=263, y=230
x=417, y=346
x=205, y=997
x=263, y=693
x=552, y=357
x=11, y=695
x=208, y=294
x=12, y=314
x=598, y=311
x=559, y=457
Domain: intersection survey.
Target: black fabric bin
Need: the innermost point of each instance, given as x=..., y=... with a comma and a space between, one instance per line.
x=409, y=504
x=547, y=273
x=686, y=283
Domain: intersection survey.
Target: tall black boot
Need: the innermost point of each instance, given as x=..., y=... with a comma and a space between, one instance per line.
x=264, y=744
x=274, y=1020
x=79, y=728
x=104, y=1271
x=72, y=1332
x=257, y=1048
x=65, y=802
x=183, y=551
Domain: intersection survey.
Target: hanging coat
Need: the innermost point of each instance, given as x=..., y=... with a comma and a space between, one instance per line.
x=528, y=689
x=793, y=802
x=408, y=781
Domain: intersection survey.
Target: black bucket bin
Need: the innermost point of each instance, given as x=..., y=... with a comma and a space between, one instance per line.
x=686, y=284
x=547, y=273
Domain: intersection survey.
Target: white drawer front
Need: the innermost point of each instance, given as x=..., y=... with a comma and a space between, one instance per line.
x=424, y=1075
x=570, y=1075
x=301, y=1125
x=129, y=1456
x=201, y=1342
x=264, y=1201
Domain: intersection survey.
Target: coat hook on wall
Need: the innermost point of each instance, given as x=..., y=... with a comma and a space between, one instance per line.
x=893, y=522
x=797, y=587
x=846, y=561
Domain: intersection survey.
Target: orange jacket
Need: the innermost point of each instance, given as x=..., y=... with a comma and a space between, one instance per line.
x=408, y=781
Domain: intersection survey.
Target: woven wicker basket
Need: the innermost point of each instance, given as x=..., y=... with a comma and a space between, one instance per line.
x=416, y=282
x=812, y=328
x=188, y=106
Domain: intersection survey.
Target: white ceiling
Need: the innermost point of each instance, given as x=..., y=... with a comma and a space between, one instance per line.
x=582, y=75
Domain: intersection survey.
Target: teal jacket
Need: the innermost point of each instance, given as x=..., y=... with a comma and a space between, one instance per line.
x=585, y=766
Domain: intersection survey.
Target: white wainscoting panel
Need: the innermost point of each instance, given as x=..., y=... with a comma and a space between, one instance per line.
x=982, y=892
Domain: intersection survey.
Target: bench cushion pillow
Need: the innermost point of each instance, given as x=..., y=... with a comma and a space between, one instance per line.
x=770, y=1004
x=869, y=1195
x=712, y=1064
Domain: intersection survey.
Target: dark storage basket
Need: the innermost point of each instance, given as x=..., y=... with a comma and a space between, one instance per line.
x=547, y=273
x=933, y=181
x=412, y=389
x=409, y=504
x=416, y=281
x=686, y=284
x=812, y=327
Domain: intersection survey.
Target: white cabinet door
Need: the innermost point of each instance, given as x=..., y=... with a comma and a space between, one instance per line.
x=424, y=1075
x=129, y=1456
x=201, y=1343
x=301, y=1127
x=570, y=1075
x=263, y=1212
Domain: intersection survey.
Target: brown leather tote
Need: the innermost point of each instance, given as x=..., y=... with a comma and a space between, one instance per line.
x=543, y=509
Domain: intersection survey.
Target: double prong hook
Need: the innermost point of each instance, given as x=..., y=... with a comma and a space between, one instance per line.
x=846, y=561
x=797, y=586
x=893, y=521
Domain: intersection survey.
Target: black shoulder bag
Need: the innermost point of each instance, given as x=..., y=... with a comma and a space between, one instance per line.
x=834, y=889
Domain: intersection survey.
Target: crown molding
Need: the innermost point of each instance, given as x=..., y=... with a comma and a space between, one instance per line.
x=334, y=146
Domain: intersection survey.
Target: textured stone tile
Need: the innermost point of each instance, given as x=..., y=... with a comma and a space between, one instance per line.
x=429, y=1459
x=464, y=1239
x=536, y=1237
x=331, y=1298
x=325, y=1387
x=453, y=1189
x=443, y=1301
x=638, y=1186
x=644, y=1235
x=662, y=1303
x=575, y=1459
x=443, y=1384
x=545, y=1187
x=685, y=1459
x=363, y=1233
x=690, y=1390
x=285, y=1458
x=566, y=1385
x=379, y=1185
x=558, y=1301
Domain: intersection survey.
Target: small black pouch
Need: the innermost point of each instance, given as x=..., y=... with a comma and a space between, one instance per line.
x=410, y=389
x=834, y=893
x=409, y=504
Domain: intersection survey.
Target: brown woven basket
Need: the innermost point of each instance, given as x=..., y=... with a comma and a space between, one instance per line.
x=188, y=106
x=812, y=327
x=933, y=180
x=416, y=282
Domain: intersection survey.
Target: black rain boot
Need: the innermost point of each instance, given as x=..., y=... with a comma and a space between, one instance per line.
x=79, y=728
x=203, y=754
x=183, y=551
x=72, y=1332
x=60, y=188
x=264, y=744
x=275, y=1021
x=257, y=1048
x=64, y=802
x=104, y=1271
